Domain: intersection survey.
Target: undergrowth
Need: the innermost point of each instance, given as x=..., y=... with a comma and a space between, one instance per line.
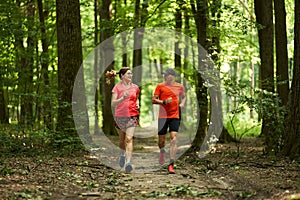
x=14, y=141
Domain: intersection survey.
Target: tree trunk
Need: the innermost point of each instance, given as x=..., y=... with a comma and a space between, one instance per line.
x=96, y=68
x=178, y=27
x=200, y=13
x=281, y=52
x=26, y=72
x=46, y=106
x=69, y=60
x=106, y=32
x=264, y=17
x=186, y=52
x=186, y=48
x=122, y=14
x=177, y=54
x=137, y=44
x=216, y=102
x=4, y=115
x=140, y=22
x=124, y=55
x=292, y=131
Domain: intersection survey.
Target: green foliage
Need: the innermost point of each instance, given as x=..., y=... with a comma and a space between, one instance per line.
x=237, y=120
x=240, y=126
x=146, y=110
x=269, y=105
x=238, y=34
x=17, y=140
x=5, y=170
x=266, y=104
x=67, y=144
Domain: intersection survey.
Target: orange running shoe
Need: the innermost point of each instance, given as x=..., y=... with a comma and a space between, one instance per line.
x=171, y=169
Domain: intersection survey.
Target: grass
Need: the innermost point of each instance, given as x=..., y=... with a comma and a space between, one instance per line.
x=241, y=125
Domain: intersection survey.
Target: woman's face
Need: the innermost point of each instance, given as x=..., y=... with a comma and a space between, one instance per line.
x=127, y=76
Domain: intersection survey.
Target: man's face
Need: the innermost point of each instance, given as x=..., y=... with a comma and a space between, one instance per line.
x=169, y=78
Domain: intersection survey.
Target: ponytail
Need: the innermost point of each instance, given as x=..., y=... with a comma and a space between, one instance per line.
x=112, y=74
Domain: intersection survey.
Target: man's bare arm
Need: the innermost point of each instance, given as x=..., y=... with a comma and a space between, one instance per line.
x=156, y=100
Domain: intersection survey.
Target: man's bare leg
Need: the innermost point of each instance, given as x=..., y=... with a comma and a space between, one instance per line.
x=173, y=145
x=161, y=145
x=173, y=149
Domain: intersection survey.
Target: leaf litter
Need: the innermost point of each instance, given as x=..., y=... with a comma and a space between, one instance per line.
x=222, y=174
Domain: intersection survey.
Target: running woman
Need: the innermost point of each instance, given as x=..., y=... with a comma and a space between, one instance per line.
x=126, y=113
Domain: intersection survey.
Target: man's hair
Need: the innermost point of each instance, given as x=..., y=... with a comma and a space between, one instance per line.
x=169, y=72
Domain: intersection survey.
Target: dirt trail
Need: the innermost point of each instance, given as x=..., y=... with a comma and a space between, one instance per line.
x=220, y=175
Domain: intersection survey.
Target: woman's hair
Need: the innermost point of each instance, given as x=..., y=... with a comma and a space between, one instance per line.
x=112, y=74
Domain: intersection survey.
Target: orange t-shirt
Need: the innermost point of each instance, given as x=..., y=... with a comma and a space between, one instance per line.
x=165, y=91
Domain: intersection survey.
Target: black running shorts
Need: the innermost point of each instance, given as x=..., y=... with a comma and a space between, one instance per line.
x=165, y=123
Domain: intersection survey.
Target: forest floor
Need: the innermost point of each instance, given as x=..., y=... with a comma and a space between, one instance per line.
x=223, y=174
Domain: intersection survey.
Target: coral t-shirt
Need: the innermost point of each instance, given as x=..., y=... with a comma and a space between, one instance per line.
x=127, y=107
x=165, y=91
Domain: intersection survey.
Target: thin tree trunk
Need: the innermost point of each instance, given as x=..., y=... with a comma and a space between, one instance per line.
x=141, y=15
x=137, y=44
x=186, y=51
x=26, y=73
x=200, y=12
x=281, y=52
x=96, y=69
x=4, y=115
x=46, y=107
x=124, y=56
x=140, y=20
x=216, y=98
x=252, y=81
x=178, y=27
x=177, y=54
x=107, y=31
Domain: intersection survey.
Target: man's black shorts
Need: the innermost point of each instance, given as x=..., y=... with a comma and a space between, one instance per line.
x=165, y=123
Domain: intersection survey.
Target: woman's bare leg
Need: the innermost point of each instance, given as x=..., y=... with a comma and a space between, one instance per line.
x=129, y=143
x=122, y=141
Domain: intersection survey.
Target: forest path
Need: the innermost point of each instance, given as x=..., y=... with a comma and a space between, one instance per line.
x=223, y=174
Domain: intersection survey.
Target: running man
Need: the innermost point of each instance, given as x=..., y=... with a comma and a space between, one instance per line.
x=170, y=95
